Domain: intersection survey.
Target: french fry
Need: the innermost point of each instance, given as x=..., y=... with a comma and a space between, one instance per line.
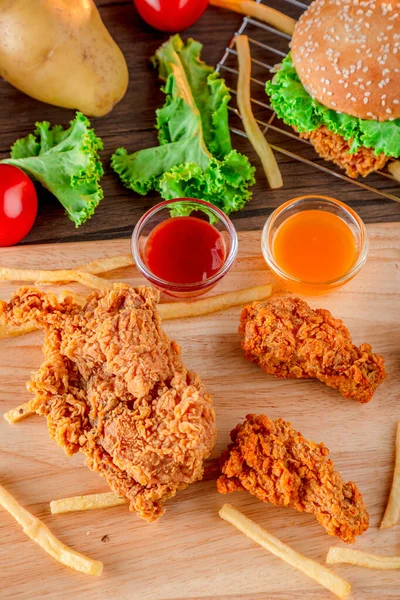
x=254, y=133
x=107, y=264
x=88, y=502
x=394, y=169
x=8, y=331
x=103, y=265
x=21, y=412
x=204, y=306
x=259, y=11
x=309, y=567
x=80, y=274
x=41, y=534
x=392, y=512
x=47, y=277
x=357, y=558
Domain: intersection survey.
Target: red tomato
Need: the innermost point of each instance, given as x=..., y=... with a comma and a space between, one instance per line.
x=170, y=15
x=18, y=205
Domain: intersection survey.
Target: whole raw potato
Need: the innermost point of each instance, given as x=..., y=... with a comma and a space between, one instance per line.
x=60, y=52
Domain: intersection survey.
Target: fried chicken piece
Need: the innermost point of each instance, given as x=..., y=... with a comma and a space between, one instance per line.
x=114, y=387
x=333, y=147
x=290, y=340
x=277, y=464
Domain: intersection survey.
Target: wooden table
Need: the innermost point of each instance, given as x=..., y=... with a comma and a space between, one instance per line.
x=131, y=124
x=190, y=553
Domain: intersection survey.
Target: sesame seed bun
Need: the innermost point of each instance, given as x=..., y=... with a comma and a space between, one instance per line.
x=347, y=55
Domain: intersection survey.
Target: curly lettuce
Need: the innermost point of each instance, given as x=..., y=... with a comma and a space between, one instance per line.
x=66, y=162
x=195, y=158
x=294, y=105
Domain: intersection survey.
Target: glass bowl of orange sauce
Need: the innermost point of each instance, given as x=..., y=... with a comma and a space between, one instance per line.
x=314, y=244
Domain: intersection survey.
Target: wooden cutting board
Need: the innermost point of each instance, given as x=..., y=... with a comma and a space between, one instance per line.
x=190, y=552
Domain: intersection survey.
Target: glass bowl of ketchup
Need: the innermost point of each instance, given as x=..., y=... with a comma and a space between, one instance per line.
x=184, y=256
x=314, y=244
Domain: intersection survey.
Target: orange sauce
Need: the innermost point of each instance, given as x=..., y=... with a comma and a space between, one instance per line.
x=314, y=246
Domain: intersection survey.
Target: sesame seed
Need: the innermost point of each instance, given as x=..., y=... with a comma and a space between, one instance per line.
x=352, y=28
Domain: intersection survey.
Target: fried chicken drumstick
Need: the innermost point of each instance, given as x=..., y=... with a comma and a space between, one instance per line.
x=277, y=464
x=115, y=388
x=290, y=340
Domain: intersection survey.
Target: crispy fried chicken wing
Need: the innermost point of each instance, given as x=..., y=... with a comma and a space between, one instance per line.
x=290, y=340
x=277, y=464
x=114, y=387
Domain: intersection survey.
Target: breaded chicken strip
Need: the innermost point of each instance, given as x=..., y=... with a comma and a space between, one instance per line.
x=114, y=387
x=333, y=147
x=277, y=464
x=290, y=340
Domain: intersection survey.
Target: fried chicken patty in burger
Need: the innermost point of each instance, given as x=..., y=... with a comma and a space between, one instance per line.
x=339, y=86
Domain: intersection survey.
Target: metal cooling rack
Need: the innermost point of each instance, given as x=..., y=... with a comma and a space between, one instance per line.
x=264, y=57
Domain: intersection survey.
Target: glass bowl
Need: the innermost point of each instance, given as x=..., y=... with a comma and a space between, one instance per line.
x=311, y=202
x=161, y=212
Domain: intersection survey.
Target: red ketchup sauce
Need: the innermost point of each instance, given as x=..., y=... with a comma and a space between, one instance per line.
x=184, y=250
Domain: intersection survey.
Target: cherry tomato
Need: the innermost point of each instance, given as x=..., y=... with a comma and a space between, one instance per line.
x=18, y=205
x=170, y=15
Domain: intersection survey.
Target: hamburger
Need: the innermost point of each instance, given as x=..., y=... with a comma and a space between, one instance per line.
x=339, y=86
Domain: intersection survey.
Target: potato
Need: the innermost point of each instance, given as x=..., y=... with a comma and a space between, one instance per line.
x=60, y=52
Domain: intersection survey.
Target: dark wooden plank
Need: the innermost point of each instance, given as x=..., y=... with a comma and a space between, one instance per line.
x=131, y=124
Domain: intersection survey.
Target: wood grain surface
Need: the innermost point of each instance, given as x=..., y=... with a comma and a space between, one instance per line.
x=131, y=124
x=190, y=552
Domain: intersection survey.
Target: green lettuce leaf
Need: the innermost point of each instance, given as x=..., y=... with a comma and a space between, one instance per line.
x=294, y=105
x=195, y=157
x=208, y=90
x=66, y=162
x=223, y=183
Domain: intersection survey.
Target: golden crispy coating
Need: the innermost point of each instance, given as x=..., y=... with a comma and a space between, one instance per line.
x=114, y=387
x=332, y=146
x=277, y=464
x=290, y=340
